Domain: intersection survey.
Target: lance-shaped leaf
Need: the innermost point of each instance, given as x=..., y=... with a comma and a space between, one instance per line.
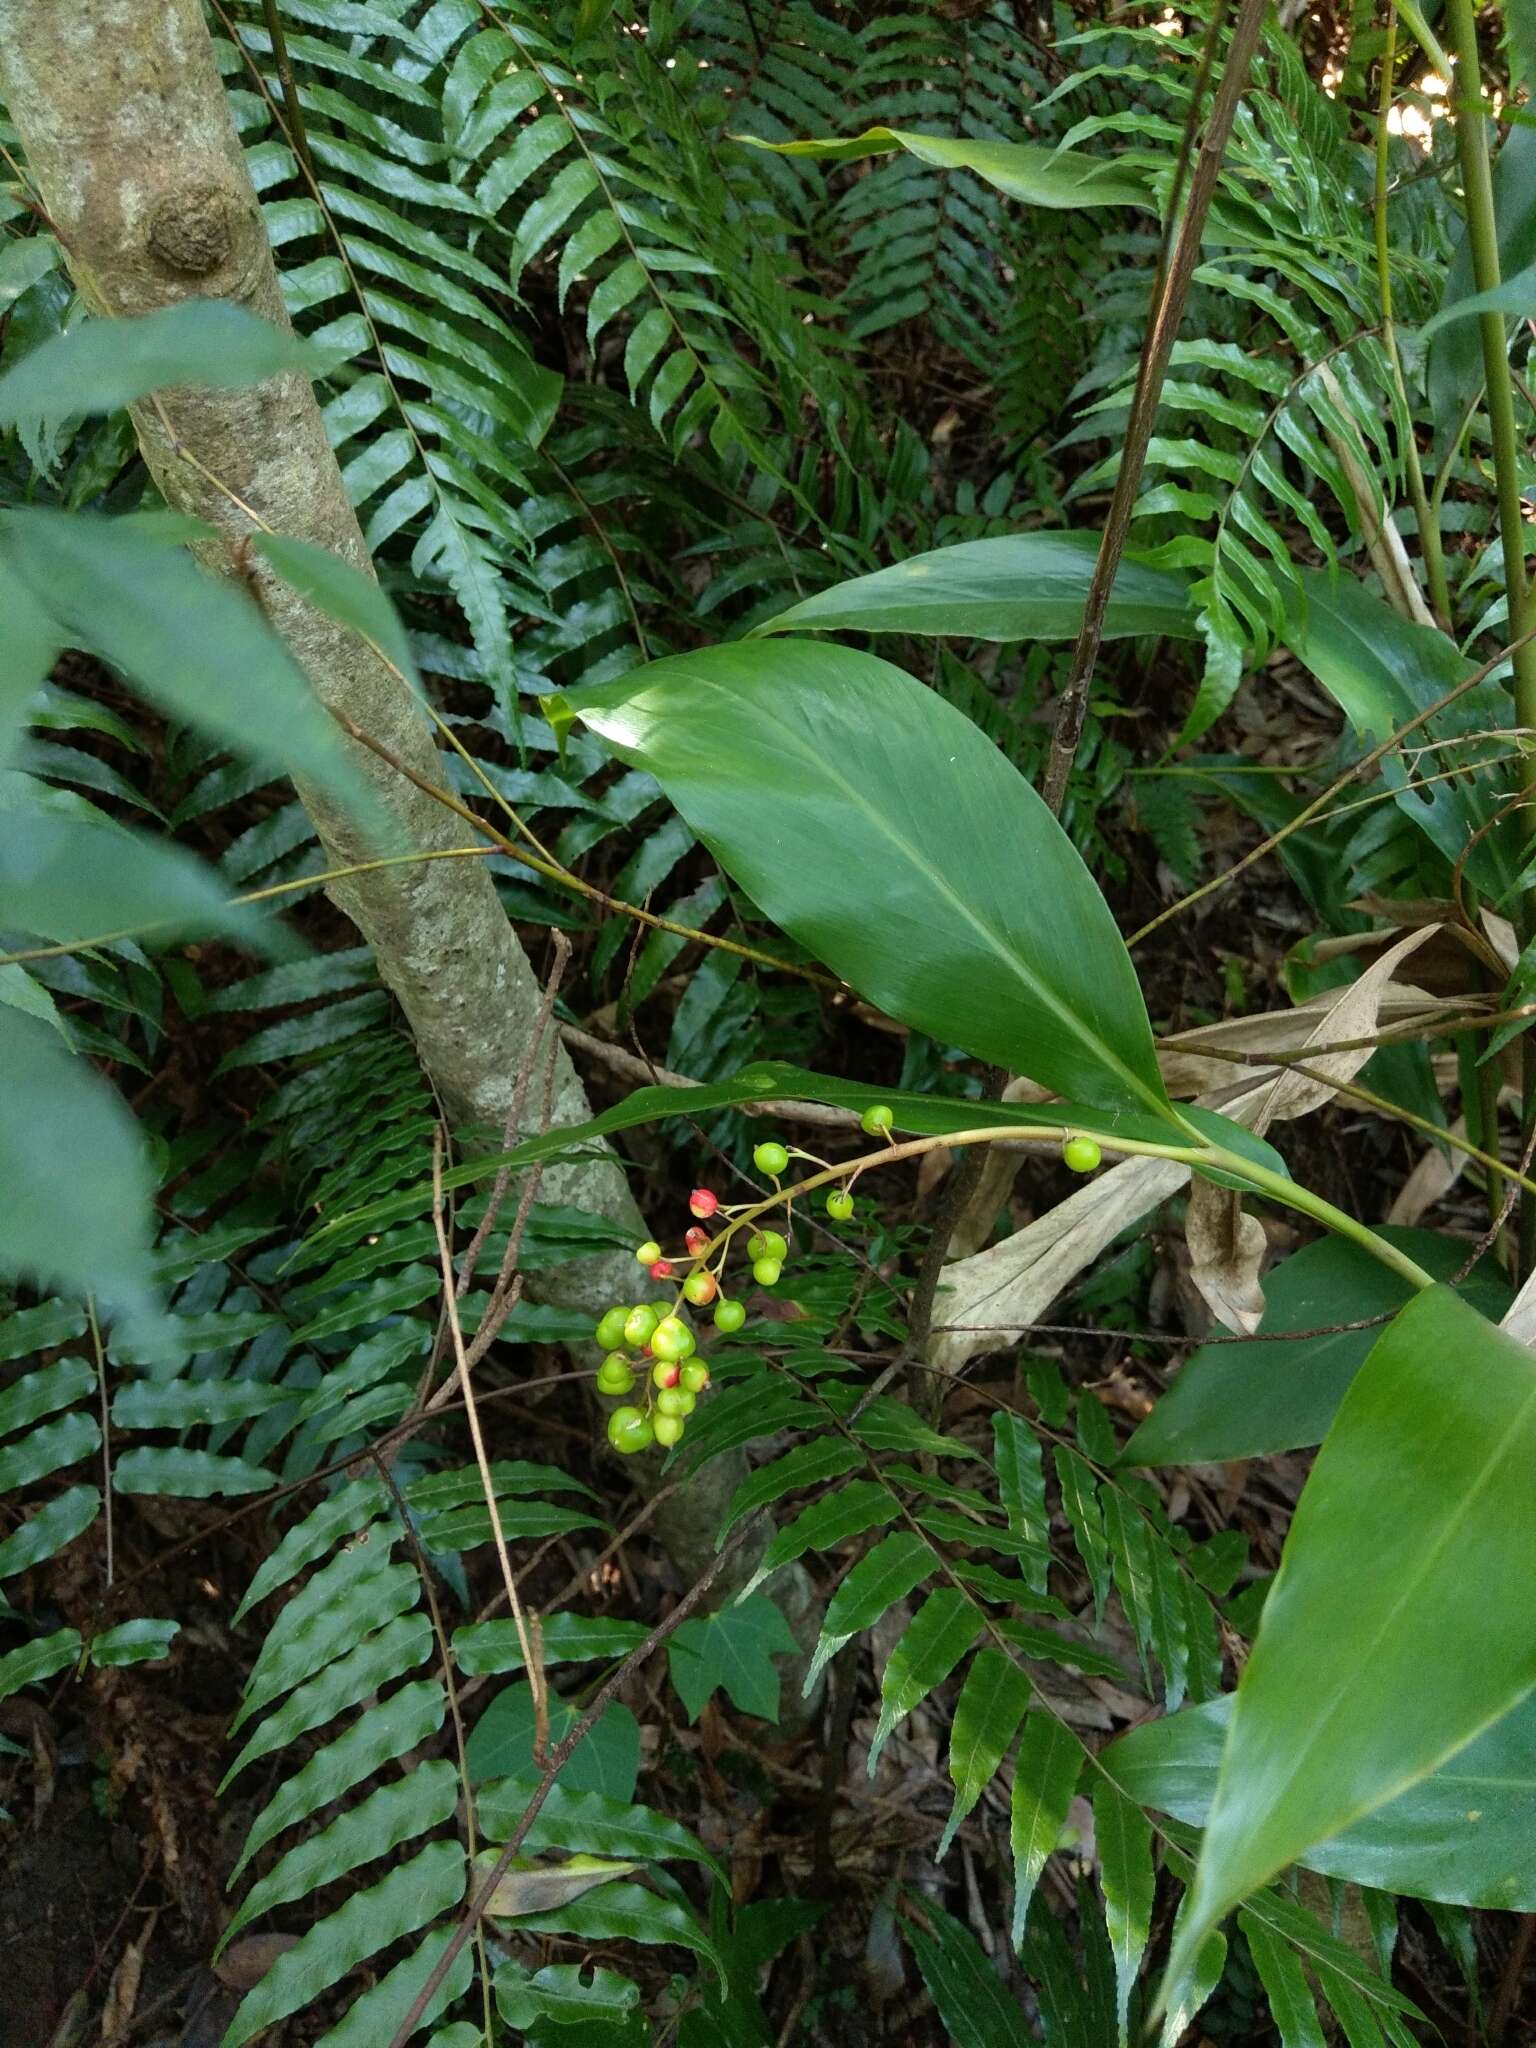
x=1125, y=1871
x=990, y=1707
x=896, y=1564
x=1018, y=586
x=1385, y=1645
x=1028, y=171
x=1045, y=1775
x=974, y=2004
x=935, y=1640
x=881, y=828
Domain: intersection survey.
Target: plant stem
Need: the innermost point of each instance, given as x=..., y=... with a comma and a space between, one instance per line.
x=1429, y=530
x=1280, y=1189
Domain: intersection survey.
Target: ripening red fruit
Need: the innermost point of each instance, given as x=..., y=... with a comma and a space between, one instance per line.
x=664, y=1373
x=700, y=1287
x=703, y=1201
x=662, y=1270
x=696, y=1240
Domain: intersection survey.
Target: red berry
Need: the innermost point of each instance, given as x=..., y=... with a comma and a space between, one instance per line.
x=696, y=1240
x=703, y=1202
x=665, y=1374
x=700, y=1287
x=662, y=1270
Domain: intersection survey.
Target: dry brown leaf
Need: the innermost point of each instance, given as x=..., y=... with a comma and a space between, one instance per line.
x=123, y=1992
x=1430, y=1181
x=542, y=1887
x=248, y=1961
x=1520, y=1322
x=1226, y=1255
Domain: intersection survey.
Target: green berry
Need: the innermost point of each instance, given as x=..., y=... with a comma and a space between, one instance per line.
x=639, y=1326
x=688, y=1399
x=774, y=1246
x=667, y=1430
x=766, y=1271
x=1081, y=1154
x=610, y=1331
x=839, y=1205
x=695, y=1376
x=615, y=1375
x=729, y=1316
x=770, y=1157
x=670, y=1401
x=665, y=1373
x=757, y=1246
x=630, y=1431
x=700, y=1287
x=672, y=1339
x=878, y=1119
x=648, y=1253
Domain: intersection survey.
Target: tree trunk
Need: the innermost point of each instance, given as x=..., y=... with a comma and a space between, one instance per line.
x=128, y=136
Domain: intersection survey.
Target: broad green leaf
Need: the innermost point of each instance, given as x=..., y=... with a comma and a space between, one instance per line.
x=1372, y=1665
x=134, y=1642
x=885, y=1575
x=386, y=1731
x=49, y=1448
x=1020, y=1477
x=1124, y=1842
x=188, y=1475
x=414, y=1893
x=38, y=1660
x=1027, y=171
x=808, y=1464
x=395, y=1649
x=99, y=366
x=467, y=1527
x=932, y=1644
x=1244, y=1400
x=69, y=1140
x=465, y=1485
x=395, y=1813
x=734, y=1650
x=486, y=1646
x=21, y=992
x=589, y=1822
x=846, y=1511
x=38, y=1329
x=1382, y=671
x=1513, y=296
x=973, y=2002
x=1045, y=1775
x=1455, y=368
x=606, y=1760
x=1460, y=1835
x=625, y=1912
x=1021, y=586
x=345, y=594
x=46, y=1391
x=141, y=603
x=949, y=895
x=561, y=1994
x=990, y=1707
x=179, y=1403
x=1285, y=1986
x=375, y=2016
x=43, y=1535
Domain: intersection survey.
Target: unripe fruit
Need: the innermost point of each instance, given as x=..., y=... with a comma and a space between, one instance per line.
x=703, y=1201
x=695, y=1376
x=729, y=1316
x=667, y=1430
x=696, y=1240
x=775, y=1246
x=670, y=1401
x=610, y=1331
x=839, y=1205
x=766, y=1271
x=639, y=1325
x=672, y=1338
x=629, y=1431
x=648, y=1253
x=689, y=1400
x=877, y=1119
x=662, y=1270
x=615, y=1375
x=770, y=1157
x=700, y=1288
x=664, y=1373
x=757, y=1246
x=1081, y=1154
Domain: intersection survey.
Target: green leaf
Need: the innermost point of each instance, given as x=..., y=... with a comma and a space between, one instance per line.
x=734, y=1650
x=1372, y=1666
x=64, y=1441
x=99, y=366
x=846, y=1511
x=394, y=1650
x=43, y=1535
x=53, y=1387
x=486, y=1646
x=973, y=2002
x=1244, y=1400
x=885, y=1575
x=1045, y=1774
x=922, y=908
x=606, y=1760
x=134, y=1642
x=587, y=1821
x=808, y=1464
x=1460, y=1835
x=343, y=593
x=625, y=1912
x=411, y=1895
x=186, y=1475
x=1020, y=1477
x=931, y=1645
x=359, y=1590
x=395, y=1813
x=381, y=2010
x=38, y=1660
x=1027, y=171
x=79, y=1231
x=1285, y=1986
x=1455, y=369
x=1124, y=1843
x=990, y=1707
x=39, y=1329
x=347, y=1511
x=140, y=602
x=1021, y=586
x=561, y=1994
x=179, y=1403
